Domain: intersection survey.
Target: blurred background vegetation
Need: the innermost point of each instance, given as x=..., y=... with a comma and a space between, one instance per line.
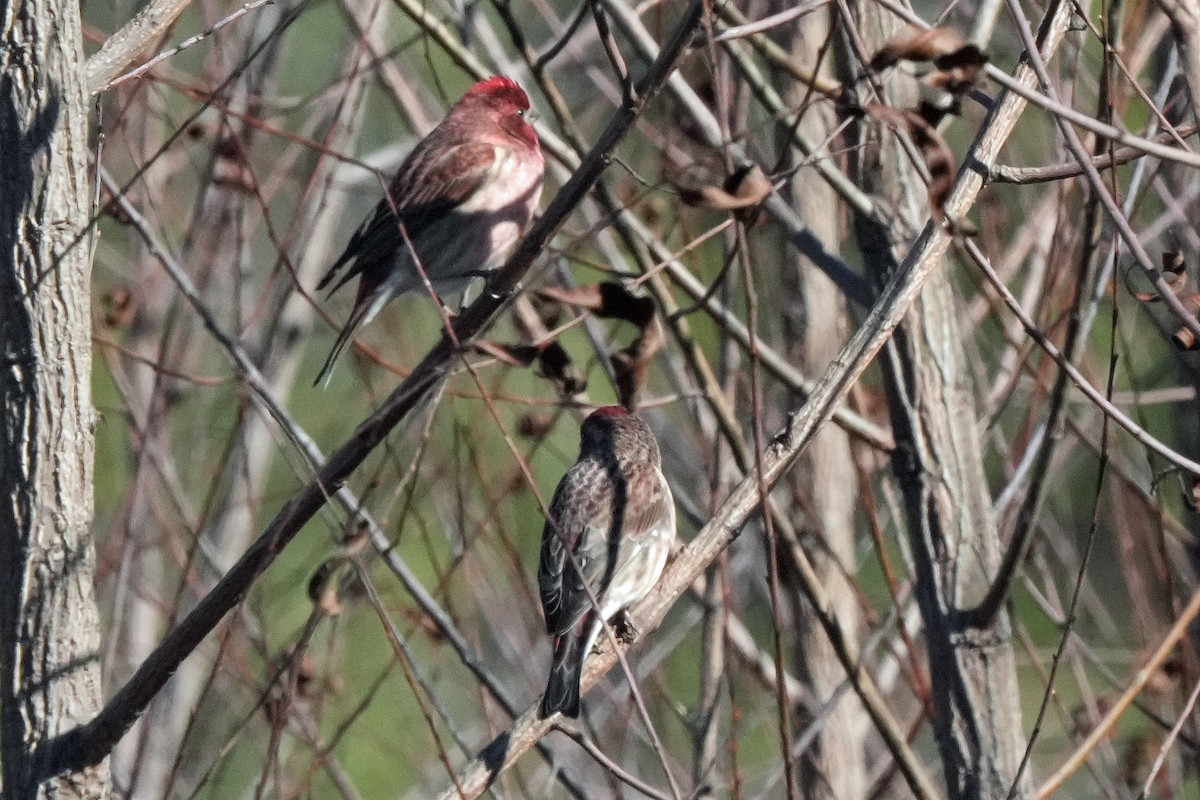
x=253, y=153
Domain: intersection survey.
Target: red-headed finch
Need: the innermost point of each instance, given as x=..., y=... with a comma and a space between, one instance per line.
x=612, y=522
x=459, y=203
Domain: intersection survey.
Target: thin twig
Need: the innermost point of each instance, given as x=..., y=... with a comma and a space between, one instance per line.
x=1061, y=111
x=186, y=43
x=1163, y=751
x=1101, y=730
x=1002, y=173
x=767, y=23
x=895, y=299
x=1093, y=394
x=123, y=46
x=593, y=750
x=90, y=743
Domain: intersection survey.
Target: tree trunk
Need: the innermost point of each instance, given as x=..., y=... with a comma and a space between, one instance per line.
x=49, y=628
x=834, y=765
x=939, y=466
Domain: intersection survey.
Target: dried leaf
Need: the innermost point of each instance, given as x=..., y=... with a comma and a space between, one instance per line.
x=933, y=111
x=939, y=158
x=120, y=305
x=229, y=148
x=957, y=65
x=234, y=176
x=617, y=302
x=968, y=56
x=630, y=364
x=957, y=79
x=1174, y=263
x=1174, y=267
x=353, y=543
x=607, y=301
x=746, y=187
x=958, y=71
x=230, y=168
x=292, y=678
x=422, y=622
x=1141, y=751
x=613, y=301
x=1164, y=681
x=322, y=588
x=1184, y=339
x=1082, y=722
x=515, y=355
x=553, y=361
x=580, y=297
x=557, y=367
x=112, y=208
x=305, y=672
x=917, y=44
x=534, y=426
x=198, y=130
x=549, y=313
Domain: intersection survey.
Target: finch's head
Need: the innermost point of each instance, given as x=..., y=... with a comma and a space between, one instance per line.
x=500, y=101
x=614, y=430
x=499, y=91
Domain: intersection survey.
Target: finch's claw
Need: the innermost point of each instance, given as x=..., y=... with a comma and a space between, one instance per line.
x=624, y=628
x=489, y=280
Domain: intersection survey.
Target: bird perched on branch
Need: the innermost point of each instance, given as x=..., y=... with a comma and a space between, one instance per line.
x=611, y=525
x=455, y=209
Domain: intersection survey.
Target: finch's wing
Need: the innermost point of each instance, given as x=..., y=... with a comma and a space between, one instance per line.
x=581, y=502
x=643, y=517
x=582, y=523
x=426, y=187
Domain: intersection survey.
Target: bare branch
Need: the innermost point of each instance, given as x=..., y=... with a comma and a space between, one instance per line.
x=1098, y=733
x=92, y=742
x=185, y=44
x=1185, y=19
x=124, y=46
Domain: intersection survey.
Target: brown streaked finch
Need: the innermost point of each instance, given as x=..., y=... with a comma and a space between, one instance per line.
x=459, y=203
x=612, y=523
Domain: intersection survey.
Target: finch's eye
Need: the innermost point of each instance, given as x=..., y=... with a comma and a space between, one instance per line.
x=520, y=112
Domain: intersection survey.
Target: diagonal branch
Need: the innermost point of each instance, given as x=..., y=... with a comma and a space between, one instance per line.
x=1185, y=21
x=125, y=44
x=90, y=743
x=268, y=402
x=894, y=301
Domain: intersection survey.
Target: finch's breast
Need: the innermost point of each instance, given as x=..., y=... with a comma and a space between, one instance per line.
x=482, y=231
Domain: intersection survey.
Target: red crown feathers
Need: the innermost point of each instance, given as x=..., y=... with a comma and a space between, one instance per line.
x=500, y=87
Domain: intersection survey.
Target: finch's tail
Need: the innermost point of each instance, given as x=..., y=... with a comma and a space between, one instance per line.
x=343, y=339
x=365, y=308
x=562, y=690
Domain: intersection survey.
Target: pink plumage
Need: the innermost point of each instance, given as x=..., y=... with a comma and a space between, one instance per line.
x=459, y=203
